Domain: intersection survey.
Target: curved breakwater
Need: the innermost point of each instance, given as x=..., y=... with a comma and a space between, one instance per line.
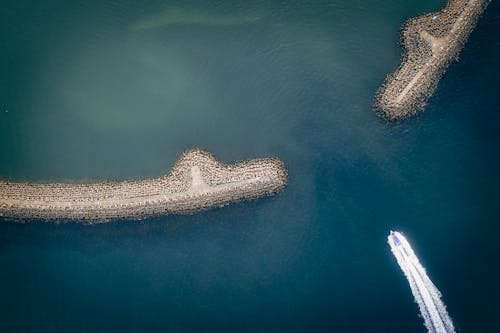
x=431, y=42
x=426, y=295
x=197, y=181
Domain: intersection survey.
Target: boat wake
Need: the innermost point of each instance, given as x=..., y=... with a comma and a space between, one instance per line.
x=425, y=292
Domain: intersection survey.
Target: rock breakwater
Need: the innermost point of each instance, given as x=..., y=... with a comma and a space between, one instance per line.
x=196, y=182
x=431, y=42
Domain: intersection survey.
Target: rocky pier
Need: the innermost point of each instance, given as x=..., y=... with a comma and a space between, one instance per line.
x=431, y=42
x=196, y=182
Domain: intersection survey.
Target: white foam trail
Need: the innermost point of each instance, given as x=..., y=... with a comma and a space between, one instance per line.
x=425, y=292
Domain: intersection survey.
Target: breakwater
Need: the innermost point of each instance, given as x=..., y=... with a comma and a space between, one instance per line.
x=431, y=42
x=197, y=181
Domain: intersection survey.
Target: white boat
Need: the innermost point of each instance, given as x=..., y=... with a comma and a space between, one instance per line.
x=426, y=295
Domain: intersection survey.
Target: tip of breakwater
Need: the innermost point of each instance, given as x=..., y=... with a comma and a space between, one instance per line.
x=431, y=42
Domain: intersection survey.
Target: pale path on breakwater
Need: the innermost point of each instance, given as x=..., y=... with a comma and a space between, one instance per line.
x=197, y=181
x=431, y=41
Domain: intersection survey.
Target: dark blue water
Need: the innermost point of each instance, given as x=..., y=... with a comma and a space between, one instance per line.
x=117, y=90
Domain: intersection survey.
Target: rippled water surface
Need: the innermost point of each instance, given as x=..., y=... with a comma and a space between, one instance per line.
x=93, y=90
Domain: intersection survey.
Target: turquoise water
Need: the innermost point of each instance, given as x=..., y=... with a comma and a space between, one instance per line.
x=117, y=90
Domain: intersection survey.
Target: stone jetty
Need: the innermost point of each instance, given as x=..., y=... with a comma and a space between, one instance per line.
x=431, y=42
x=196, y=182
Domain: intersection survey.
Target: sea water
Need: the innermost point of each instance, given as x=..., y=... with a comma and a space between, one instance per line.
x=113, y=90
